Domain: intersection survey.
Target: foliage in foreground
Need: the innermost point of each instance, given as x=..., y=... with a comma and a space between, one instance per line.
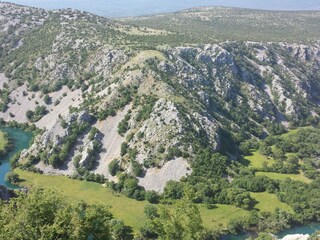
x=181, y=220
x=44, y=214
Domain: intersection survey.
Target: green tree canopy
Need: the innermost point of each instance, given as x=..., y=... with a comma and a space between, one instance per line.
x=44, y=214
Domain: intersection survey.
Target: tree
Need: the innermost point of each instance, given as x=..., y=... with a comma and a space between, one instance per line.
x=12, y=177
x=278, y=154
x=47, y=99
x=124, y=148
x=239, y=197
x=180, y=221
x=151, y=211
x=152, y=197
x=173, y=190
x=245, y=148
x=29, y=115
x=137, y=169
x=129, y=187
x=208, y=165
x=113, y=167
x=54, y=160
x=45, y=214
x=264, y=149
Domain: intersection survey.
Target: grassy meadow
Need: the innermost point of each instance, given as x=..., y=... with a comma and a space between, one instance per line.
x=130, y=210
x=256, y=160
x=268, y=202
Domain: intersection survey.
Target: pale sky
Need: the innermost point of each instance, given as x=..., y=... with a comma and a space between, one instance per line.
x=120, y=8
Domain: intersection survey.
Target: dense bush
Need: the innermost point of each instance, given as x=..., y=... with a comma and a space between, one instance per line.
x=114, y=167
x=303, y=198
x=12, y=177
x=137, y=169
x=128, y=185
x=180, y=221
x=37, y=114
x=152, y=197
x=123, y=125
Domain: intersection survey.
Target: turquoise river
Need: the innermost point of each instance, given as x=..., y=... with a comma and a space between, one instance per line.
x=21, y=140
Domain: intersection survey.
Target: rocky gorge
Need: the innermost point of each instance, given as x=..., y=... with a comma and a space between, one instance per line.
x=165, y=98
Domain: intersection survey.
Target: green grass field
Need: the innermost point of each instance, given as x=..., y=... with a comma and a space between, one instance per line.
x=129, y=210
x=269, y=202
x=220, y=215
x=281, y=176
x=3, y=141
x=256, y=159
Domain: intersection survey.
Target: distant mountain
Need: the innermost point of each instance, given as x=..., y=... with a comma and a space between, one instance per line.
x=125, y=8
x=207, y=24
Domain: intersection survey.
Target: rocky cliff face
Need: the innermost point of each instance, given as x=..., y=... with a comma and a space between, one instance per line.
x=149, y=105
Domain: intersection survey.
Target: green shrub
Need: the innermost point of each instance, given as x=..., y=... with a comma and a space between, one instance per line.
x=113, y=167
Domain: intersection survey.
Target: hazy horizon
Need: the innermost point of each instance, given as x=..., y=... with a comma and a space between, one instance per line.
x=124, y=8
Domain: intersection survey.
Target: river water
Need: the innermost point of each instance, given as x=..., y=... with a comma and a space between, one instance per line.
x=21, y=140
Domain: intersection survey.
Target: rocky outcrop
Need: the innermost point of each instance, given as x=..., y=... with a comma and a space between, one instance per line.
x=58, y=136
x=155, y=179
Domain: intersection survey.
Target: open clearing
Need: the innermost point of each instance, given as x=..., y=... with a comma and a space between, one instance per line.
x=268, y=202
x=220, y=215
x=256, y=160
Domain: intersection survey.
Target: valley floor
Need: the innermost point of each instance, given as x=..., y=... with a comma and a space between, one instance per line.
x=132, y=211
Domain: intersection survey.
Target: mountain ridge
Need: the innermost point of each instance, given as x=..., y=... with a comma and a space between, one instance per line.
x=141, y=104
